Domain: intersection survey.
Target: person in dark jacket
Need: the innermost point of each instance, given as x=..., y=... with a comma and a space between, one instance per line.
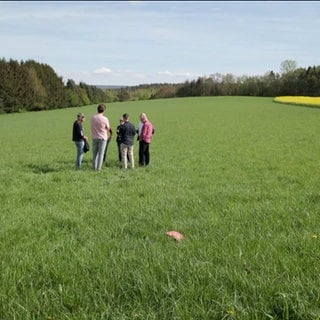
x=79, y=138
x=118, y=139
x=127, y=131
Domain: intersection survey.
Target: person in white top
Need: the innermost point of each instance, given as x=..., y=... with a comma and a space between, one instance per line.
x=99, y=133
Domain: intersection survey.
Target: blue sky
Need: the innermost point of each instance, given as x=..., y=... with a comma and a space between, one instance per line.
x=138, y=42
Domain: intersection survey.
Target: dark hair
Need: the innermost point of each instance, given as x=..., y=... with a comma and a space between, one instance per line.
x=125, y=116
x=101, y=108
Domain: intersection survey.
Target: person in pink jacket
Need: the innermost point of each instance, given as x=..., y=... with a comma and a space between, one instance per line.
x=145, y=136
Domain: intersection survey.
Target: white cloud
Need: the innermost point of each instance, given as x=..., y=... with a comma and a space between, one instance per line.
x=102, y=70
x=175, y=74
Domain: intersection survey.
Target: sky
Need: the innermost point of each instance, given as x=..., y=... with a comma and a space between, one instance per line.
x=142, y=42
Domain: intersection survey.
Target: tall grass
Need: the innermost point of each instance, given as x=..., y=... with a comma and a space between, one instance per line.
x=237, y=176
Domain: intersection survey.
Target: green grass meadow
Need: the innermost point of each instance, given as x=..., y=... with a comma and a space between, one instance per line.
x=237, y=176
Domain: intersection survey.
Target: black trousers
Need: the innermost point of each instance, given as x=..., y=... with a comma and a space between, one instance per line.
x=105, y=151
x=119, y=150
x=144, y=155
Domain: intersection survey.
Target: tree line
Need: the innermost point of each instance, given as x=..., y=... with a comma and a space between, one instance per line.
x=32, y=86
x=291, y=81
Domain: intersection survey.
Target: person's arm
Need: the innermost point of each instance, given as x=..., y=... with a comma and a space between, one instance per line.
x=83, y=136
x=149, y=130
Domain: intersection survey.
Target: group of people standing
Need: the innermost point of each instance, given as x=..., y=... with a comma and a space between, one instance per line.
x=101, y=134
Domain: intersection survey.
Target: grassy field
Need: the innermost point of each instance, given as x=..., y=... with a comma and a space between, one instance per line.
x=237, y=176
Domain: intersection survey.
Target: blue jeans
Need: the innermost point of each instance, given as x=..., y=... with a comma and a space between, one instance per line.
x=98, y=148
x=79, y=145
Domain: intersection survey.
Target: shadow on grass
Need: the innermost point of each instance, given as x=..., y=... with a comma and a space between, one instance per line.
x=41, y=169
x=112, y=164
x=67, y=165
x=314, y=106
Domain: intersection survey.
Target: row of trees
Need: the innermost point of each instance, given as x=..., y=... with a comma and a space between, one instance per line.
x=291, y=81
x=31, y=86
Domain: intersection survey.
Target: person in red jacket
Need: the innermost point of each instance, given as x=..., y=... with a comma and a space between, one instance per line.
x=145, y=137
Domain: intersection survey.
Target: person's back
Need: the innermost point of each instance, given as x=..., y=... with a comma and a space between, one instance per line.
x=147, y=131
x=99, y=126
x=127, y=133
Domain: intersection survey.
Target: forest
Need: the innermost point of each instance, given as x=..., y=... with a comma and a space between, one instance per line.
x=32, y=86
x=290, y=81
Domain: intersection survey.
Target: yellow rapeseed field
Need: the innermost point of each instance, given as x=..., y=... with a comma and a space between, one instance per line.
x=299, y=100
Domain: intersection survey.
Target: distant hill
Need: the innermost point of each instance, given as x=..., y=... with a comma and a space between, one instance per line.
x=109, y=87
